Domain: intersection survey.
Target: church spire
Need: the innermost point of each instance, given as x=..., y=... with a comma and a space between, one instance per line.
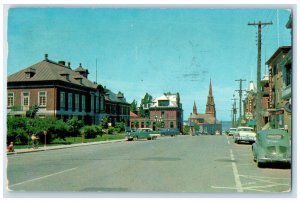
x=210, y=105
x=194, y=108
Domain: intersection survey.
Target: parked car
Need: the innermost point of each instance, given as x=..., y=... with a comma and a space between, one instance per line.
x=142, y=133
x=169, y=132
x=245, y=134
x=231, y=131
x=272, y=145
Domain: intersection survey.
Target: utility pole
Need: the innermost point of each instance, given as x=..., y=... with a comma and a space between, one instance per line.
x=234, y=112
x=240, y=94
x=258, y=96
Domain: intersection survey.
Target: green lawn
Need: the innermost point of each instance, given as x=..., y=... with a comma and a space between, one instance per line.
x=74, y=140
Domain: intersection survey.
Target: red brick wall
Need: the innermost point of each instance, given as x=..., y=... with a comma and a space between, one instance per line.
x=33, y=97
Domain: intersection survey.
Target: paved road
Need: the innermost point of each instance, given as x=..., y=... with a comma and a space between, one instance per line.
x=193, y=164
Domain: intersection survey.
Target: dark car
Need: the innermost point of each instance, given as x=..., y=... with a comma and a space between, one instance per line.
x=272, y=146
x=169, y=132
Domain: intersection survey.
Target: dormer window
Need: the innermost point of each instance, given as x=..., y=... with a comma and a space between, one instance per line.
x=65, y=74
x=30, y=72
x=79, y=78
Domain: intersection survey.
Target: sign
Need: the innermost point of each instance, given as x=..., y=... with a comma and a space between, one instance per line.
x=249, y=116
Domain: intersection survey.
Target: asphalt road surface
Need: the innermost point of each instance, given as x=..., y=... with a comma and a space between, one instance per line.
x=190, y=164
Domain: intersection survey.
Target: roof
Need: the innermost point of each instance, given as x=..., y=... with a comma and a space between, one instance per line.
x=48, y=70
x=110, y=96
x=208, y=118
x=133, y=114
x=173, y=98
x=277, y=52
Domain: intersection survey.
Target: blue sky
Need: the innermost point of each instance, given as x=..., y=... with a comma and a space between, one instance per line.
x=151, y=50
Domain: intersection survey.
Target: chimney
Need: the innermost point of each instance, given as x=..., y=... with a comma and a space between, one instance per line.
x=46, y=57
x=62, y=62
x=69, y=65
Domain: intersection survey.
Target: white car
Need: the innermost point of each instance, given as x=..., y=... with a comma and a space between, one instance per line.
x=245, y=134
x=231, y=131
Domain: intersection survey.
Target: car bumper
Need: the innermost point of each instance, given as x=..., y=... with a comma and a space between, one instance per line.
x=274, y=160
x=246, y=138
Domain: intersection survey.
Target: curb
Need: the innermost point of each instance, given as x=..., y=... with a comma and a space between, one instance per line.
x=61, y=147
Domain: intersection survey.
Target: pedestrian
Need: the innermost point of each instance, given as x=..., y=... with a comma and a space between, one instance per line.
x=33, y=138
x=10, y=147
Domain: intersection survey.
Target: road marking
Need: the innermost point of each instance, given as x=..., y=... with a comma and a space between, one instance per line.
x=238, y=183
x=42, y=177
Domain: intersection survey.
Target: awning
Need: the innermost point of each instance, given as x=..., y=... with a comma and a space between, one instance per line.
x=251, y=123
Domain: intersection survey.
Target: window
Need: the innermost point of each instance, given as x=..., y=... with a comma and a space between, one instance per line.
x=83, y=103
x=171, y=124
x=163, y=103
x=10, y=99
x=288, y=74
x=76, y=102
x=70, y=101
x=62, y=100
x=25, y=99
x=42, y=98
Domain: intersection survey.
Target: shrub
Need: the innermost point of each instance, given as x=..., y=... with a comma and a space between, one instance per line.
x=90, y=131
x=110, y=130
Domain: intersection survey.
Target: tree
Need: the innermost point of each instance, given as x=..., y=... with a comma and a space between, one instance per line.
x=133, y=107
x=32, y=111
x=74, y=126
x=146, y=101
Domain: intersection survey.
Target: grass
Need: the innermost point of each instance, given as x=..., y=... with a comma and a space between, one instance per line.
x=74, y=140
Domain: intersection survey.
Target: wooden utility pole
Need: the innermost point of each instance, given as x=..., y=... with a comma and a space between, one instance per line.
x=240, y=94
x=234, y=112
x=258, y=96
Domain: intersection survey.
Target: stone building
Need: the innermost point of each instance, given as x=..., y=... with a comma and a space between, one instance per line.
x=207, y=122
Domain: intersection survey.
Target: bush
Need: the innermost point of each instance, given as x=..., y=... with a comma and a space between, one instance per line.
x=91, y=131
x=110, y=130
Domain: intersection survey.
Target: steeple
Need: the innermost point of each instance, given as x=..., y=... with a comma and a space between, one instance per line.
x=194, y=108
x=210, y=105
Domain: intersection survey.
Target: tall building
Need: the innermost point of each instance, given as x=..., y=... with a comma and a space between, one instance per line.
x=207, y=122
x=210, y=105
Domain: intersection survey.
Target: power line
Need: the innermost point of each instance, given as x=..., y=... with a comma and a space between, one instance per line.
x=240, y=94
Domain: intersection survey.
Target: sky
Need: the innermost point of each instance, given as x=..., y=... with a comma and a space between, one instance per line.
x=151, y=50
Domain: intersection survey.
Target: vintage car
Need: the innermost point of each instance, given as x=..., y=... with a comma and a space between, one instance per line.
x=142, y=133
x=245, y=134
x=231, y=131
x=169, y=132
x=272, y=145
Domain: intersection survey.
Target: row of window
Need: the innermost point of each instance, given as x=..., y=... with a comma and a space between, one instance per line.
x=25, y=99
x=77, y=99
x=143, y=124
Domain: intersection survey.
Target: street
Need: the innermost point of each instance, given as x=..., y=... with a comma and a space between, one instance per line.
x=198, y=164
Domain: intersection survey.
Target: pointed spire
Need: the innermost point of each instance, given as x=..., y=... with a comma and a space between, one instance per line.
x=210, y=105
x=210, y=89
x=194, y=108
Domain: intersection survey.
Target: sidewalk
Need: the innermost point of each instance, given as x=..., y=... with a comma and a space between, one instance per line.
x=42, y=148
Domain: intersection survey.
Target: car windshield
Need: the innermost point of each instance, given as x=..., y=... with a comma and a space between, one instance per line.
x=275, y=136
x=232, y=129
x=245, y=129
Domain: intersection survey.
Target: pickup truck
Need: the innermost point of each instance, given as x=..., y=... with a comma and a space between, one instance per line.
x=142, y=133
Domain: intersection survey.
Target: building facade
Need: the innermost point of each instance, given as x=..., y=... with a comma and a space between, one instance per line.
x=57, y=91
x=164, y=112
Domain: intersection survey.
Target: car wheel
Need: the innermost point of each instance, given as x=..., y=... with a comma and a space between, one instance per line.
x=259, y=164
